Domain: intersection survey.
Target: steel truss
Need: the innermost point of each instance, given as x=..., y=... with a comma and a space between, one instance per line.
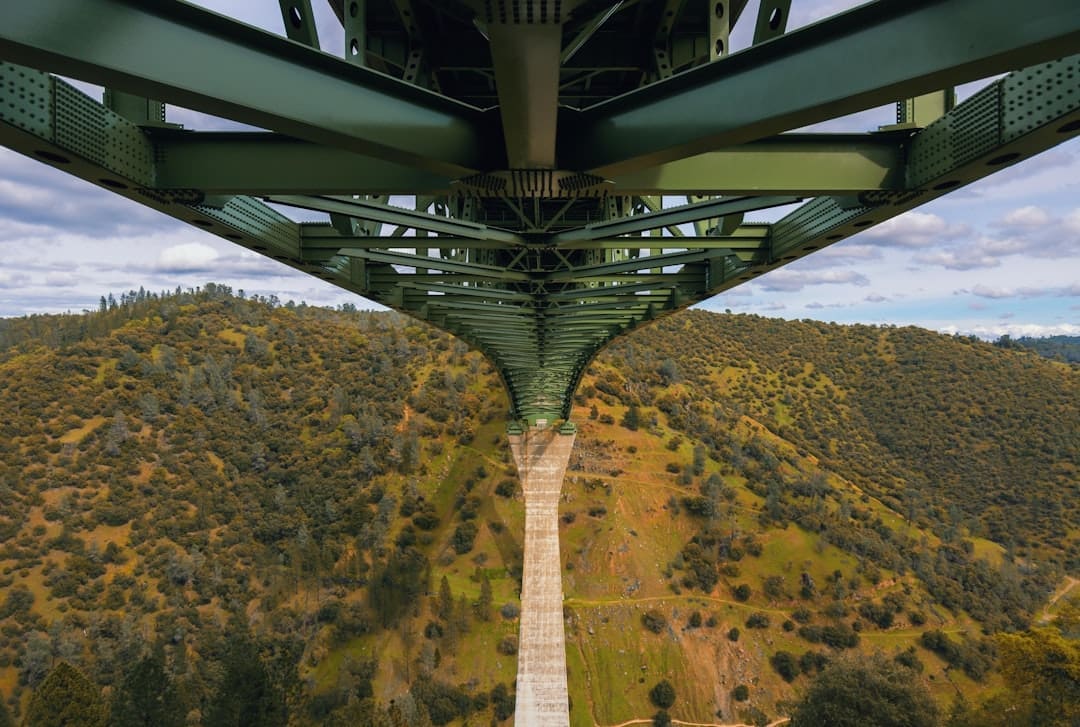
x=541, y=144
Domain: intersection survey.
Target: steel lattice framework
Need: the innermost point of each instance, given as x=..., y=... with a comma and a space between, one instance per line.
x=542, y=142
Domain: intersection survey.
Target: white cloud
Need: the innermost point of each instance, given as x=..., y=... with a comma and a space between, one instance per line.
x=1067, y=291
x=990, y=330
x=790, y=280
x=189, y=257
x=915, y=230
x=957, y=261
x=1072, y=222
x=13, y=279
x=1029, y=216
x=62, y=280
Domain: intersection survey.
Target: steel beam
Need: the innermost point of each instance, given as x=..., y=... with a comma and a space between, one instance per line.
x=261, y=164
x=363, y=210
x=526, y=58
x=233, y=70
x=848, y=63
x=806, y=165
x=669, y=217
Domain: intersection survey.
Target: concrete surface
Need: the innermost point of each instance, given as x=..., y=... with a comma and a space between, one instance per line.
x=541, y=457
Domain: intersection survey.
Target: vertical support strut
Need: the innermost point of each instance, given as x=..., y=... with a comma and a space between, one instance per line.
x=542, y=697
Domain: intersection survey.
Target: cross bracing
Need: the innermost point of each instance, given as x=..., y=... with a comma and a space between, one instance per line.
x=538, y=177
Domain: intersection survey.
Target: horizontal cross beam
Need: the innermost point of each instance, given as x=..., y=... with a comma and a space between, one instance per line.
x=851, y=62
x=182, y=54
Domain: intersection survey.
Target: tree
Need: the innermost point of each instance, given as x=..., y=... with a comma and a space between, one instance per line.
x=868, y=690
x=663, y=694
x=1042, y=668
x=632, y=418
x=245, y=695
x=445, y=605
x=654, y=621
x=5, y=716
x=66, y=699
x=483, y=604
x=145, y=696
x=786, y=665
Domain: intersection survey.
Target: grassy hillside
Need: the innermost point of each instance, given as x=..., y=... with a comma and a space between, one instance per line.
x=196, y=470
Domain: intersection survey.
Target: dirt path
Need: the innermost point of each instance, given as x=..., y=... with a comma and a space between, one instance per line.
x=1063, y=590
x=782, y=720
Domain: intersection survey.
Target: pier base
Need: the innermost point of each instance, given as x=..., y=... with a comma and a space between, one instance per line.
x=541, y=456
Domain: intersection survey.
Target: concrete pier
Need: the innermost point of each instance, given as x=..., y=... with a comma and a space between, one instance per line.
x=542, y=456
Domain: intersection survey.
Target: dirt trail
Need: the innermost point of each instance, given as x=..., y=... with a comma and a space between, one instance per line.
x=782, y=720
x=1063, y=590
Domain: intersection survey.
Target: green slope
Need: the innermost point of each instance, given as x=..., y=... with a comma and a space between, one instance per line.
x=187, y=459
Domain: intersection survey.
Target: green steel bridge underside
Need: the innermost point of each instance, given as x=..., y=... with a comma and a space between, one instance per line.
x=570, y=169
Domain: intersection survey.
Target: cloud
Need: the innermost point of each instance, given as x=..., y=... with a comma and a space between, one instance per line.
x=955, y=261
x=914, y=230
x=875, y=298
x=34, y=194
x=1067, y=291
x=9, y=279
x=190, y=257
x=62, y=280
x=1029, y=216
x=790, y=280
x=992, y=330
x=1072, y=222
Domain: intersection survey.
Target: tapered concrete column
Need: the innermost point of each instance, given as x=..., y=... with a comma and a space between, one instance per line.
x=541, y=457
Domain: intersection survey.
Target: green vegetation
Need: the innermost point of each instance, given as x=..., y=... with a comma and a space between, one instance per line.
x=855, y=692
x=66, y=698
x=215, y=506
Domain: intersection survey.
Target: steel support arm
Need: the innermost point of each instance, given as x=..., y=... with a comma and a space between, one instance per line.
x=807, y=165
x=854, y=61
x=264, y=164
x=363, y=210
x=669, y=217
x=233, y=70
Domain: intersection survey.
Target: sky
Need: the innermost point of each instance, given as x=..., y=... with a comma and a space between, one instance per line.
x=1001, y=256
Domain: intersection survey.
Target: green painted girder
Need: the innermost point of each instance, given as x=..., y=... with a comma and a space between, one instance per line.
x=541, y=348
x=746, y=237
x=670, y=217
x=191, y=57
x=851, y=62
x=264, y=164
x=324, y=237
x=805, y=165
x=364, y=210
x=474, y=270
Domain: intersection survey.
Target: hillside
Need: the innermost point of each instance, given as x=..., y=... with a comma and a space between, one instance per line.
x=232, y=491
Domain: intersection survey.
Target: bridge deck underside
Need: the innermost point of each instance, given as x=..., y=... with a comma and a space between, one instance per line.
x=561, y=173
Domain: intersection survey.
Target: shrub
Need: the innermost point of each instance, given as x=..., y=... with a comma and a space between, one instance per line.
x=742, y=592
x=663, y=694
x=785, y=665
x=654, y=621
x=757, y=620
x=740, y=693
x=464, y=535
